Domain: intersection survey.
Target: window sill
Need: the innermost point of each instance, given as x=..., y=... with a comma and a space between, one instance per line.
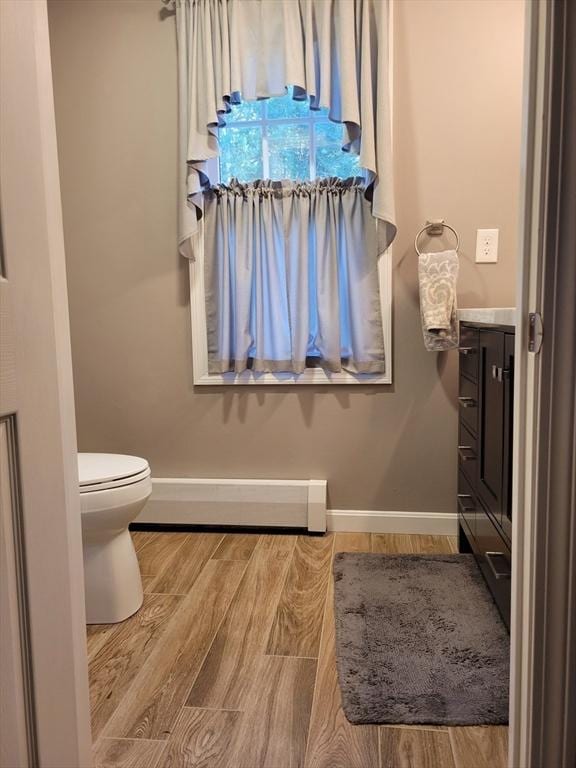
x=312, y=377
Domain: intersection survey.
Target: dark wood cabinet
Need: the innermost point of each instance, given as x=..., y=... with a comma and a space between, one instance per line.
x=485, y=452
x=508, y=373
x=491, y=443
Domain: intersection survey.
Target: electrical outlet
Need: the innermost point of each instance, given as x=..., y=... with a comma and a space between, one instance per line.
x=487, y=246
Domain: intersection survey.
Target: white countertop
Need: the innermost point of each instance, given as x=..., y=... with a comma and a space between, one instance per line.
x=495, y=315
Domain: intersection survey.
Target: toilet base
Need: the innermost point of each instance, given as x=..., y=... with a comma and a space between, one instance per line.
x=112, y=582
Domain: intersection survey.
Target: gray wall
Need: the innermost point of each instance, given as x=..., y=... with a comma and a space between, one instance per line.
x=457, y=105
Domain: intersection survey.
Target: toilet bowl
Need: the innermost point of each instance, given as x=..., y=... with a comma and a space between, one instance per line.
x=113, y=491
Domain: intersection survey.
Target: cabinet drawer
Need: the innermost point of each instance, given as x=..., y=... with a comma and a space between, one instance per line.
x=494, y=560
x=469, y=352
x=468, y=506
x=467, y=453
x=468, y=403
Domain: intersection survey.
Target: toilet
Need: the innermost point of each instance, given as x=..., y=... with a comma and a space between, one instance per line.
x=113, y=491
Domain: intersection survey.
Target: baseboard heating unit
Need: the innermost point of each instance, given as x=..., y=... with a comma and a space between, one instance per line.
x=230, y=502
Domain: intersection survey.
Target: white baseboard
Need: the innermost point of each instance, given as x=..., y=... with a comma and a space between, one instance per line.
x=276, y=503
x=215, y=501
x=375, y=521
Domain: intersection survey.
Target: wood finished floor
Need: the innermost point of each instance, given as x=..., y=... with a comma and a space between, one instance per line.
x=230, y=663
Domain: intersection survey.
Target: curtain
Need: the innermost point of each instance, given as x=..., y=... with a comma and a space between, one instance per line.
x=334, y=52
x=291, y=277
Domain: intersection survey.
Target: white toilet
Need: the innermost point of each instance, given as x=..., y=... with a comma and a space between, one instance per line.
x=113, y=490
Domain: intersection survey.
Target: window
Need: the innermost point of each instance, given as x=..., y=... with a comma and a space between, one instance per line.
x=280, y=138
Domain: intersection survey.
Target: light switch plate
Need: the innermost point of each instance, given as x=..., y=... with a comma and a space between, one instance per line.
x=486, y=246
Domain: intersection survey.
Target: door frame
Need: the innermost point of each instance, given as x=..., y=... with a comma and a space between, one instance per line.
x=51, y=588
x=543, y=640
x=53, y=542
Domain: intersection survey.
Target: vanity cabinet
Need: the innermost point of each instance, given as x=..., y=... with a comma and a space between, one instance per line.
x=485, y=398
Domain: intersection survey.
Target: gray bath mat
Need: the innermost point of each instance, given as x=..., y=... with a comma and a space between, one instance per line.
x=419, y=640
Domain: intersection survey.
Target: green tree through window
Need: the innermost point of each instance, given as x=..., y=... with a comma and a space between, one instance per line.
x=279, y=138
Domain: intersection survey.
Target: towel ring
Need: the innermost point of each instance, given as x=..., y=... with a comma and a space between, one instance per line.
x=435, y=228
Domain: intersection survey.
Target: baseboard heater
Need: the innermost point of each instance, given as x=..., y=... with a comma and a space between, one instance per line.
x=230, y=502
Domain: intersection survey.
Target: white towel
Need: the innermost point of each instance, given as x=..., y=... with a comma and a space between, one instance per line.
x=437, y=275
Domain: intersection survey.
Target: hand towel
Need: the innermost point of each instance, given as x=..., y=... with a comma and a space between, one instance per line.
x=437, y=275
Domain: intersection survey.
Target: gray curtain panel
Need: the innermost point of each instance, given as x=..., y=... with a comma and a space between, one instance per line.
x=291, y=276
x=334, y=52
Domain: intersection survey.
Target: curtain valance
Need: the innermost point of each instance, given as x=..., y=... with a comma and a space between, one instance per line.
x=334, y=52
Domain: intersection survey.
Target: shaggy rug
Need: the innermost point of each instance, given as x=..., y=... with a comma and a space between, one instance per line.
x=419, y=640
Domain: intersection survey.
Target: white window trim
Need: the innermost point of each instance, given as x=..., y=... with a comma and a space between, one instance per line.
x=315, y=376
x=311, y=375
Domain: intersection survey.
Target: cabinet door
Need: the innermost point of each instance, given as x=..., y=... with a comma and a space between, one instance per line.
x=491, y=426
x=508, y=376
x=468, y=352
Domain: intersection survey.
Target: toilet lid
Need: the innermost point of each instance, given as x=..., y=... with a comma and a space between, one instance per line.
x=95, y=468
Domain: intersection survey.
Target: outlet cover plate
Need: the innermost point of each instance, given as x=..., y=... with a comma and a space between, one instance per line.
x=486, y=246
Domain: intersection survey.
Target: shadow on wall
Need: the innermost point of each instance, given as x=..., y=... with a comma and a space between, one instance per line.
x=235, y=402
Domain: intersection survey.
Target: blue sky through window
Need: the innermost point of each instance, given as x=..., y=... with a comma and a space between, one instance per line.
x=280, y=138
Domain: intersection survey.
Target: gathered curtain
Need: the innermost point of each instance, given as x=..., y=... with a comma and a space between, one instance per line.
x=334, y=52
x=291, y=278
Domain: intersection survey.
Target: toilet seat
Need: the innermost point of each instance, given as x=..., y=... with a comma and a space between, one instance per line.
x=104, y=471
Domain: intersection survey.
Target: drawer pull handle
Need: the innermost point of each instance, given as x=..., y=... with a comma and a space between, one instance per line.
x=497, y=574
x=466, y=456
x=500, y=373
x=467, y=350
x=462, y=505
x=467, y=402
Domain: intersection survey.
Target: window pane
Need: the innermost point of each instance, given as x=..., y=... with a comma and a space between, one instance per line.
x=240, y=153
x=285, y=106
x=248, y=110
x=330, y=159
x=289, y=151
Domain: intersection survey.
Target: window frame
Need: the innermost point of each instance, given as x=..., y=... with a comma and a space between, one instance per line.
x=311, y=376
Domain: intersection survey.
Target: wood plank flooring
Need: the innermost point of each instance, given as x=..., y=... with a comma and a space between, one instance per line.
x=229, y=669
x=298, y=618
x=332, y=741
x=150, y=706
x=118, y=661
x=230, y=663
x=415, y=748
x=202, y=737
